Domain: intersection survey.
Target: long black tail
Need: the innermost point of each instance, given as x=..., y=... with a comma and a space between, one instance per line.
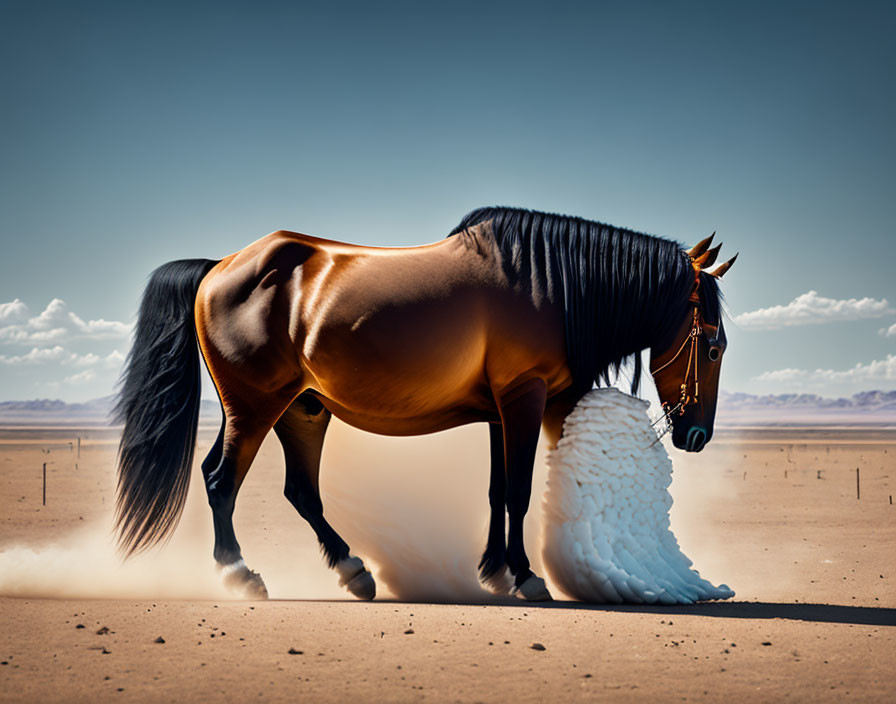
x=158, y=403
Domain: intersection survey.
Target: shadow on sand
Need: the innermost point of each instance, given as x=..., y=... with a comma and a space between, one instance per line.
x=813, y=613
x=816, y=613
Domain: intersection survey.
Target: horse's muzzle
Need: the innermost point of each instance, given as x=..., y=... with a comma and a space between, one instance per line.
x=696, y=439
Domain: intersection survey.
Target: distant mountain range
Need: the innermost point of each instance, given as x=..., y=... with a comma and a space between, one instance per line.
x=96, y=412
x=868, y=407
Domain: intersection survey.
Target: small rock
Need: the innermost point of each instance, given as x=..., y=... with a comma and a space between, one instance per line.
x=103, y=630
x=537, y=646
x=80, y=625
x=159, y=640
x=409, y=632
x=293, y=651
x=767, y=642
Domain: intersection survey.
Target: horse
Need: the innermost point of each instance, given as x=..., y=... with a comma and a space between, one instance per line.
x=509, y=320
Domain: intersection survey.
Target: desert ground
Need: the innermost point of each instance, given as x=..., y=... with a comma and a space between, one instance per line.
x=772, y=512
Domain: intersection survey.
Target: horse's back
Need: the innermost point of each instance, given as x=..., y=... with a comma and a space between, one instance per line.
x=291, y=303
x=393, y=340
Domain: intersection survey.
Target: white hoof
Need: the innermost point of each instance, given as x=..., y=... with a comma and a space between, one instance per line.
x=242, y=581
x=499, y=584
x=354, y=577
x=533, y=589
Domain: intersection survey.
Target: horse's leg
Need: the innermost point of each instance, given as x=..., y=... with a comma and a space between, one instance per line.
x=301, y=431
x=493, y=566
x=223, y=548
x=555, y=412
x=224, y=469
x=521, y=415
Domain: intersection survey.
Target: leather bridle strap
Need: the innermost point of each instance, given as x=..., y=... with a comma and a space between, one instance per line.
x=695, y=330
x=690, y=341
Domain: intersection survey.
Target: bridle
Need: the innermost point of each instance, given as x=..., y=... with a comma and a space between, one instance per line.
x=698, y=325
x=699, y=257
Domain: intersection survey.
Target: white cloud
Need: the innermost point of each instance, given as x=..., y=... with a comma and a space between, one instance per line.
x=57, y=354
x=37, y=355
x=888, y=332
x=880, y=372
x=54, y=324
x=56, y=351
x=812, y=309
x=14, y=310
x=84, y=377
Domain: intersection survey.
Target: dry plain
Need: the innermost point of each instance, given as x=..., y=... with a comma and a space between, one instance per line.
x=772, y=512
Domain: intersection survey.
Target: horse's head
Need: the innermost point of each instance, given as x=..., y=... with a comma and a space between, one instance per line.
x=686, y=371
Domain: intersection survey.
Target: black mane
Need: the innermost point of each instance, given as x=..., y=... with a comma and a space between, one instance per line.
x=621, y=291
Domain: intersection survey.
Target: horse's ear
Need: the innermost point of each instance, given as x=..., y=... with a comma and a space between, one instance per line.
x=708, y=258
x=719, y=271
x=701, y=247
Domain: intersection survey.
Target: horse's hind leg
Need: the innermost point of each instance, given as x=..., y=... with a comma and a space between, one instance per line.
x=220, y=485
x=493, y=566
x=301, y=431
x=224, y=469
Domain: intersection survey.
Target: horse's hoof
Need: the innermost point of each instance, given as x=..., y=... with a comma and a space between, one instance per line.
x=362, y=586
x=243, y=581
x=498, y=583
x=356, y=578
x=533, y=589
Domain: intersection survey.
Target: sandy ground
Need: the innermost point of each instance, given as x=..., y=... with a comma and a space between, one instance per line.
x=773, y=513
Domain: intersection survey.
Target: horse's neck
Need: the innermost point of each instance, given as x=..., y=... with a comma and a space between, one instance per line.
x=647, y=319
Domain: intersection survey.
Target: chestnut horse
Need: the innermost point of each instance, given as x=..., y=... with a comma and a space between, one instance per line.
x=507, y=321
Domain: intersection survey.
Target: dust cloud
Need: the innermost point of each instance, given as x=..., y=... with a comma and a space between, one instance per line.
x=415, y=509
x=701, y=486
x=86, y=566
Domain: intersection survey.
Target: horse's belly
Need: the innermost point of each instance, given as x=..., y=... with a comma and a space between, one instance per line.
x=420, y=424
x=413, y=366
x=406, y=404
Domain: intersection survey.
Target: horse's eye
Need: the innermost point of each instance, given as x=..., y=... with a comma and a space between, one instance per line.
x=714, y=353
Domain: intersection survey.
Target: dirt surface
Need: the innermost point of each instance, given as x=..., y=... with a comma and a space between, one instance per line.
x=773, y=513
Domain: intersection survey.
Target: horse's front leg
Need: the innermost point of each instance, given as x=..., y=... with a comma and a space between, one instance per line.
x=493, y=565
x=555, y=412
x=521, y=409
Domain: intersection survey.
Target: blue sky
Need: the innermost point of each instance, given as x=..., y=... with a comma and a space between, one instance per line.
x=132, y=134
